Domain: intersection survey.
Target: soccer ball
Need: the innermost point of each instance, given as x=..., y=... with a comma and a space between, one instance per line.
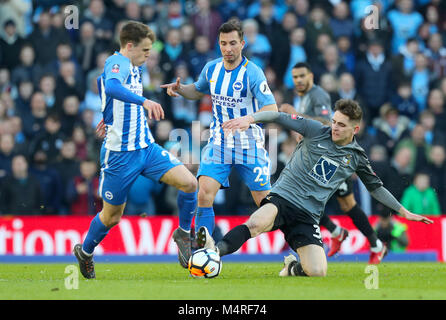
x=204, y=263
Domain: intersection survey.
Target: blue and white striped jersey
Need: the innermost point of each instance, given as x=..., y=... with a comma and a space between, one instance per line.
x=235, y=93
x=126, y=124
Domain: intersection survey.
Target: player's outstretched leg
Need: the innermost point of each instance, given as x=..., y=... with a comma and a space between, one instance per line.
x=86, y=263
x=183, y=241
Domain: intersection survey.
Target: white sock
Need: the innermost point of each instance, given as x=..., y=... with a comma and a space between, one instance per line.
x=336, y=232
x=378, y=248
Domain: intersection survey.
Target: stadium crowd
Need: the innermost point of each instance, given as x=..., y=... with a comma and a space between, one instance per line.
x=50, y=104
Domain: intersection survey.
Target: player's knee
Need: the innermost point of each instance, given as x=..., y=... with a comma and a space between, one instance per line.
x=205, y=197
x=316, y=271
x=189, y=184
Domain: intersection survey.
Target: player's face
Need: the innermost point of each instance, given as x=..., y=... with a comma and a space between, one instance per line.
x=303, y=80
x=231, y=46
x=343, y=129
x=140, y=53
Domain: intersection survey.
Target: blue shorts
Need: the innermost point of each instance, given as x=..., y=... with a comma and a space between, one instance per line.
x=255, y=172
x=120, y=169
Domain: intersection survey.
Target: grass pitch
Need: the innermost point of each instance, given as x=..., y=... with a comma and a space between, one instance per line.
x=238, y=281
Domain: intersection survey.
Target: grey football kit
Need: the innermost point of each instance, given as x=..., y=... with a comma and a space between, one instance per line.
x=315, y=103
x=315, y=171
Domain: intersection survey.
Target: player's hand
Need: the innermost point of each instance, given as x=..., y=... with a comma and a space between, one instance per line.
x=287, y=108
x=242, y=123
x=172, y=88
x=415, y=217
x=100, y=129
x=154, y=109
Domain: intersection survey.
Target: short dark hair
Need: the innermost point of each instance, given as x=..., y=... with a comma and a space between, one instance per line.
x=350, y=108
x=232, y=25
x=135, y=32
x=303, y=65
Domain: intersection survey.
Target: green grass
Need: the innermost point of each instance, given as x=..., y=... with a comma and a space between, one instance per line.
x=238, y=281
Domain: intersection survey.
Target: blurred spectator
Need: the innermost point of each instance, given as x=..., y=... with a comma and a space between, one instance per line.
x=20, y=192
x=115, y=10
x=10, y=45
x=153, y=78
x=329, y=83
x=347, y=89
x=436, y=169
x=67, y=83
x=374, y=80
x=282, y=42
x=5, y=81
x=431, y=134
x=132, y=10
x=404, y=62
x=404, y=101
x=317, y=24
x=82, y=191
x=87, y=48
x=404, y=21
x=45, y=39
x=297, y=54
x=92, y=101
x=341, y=23
x=391, y=127
x=6, y=154
x=206, y=21
x=140, y=199
x=50, y=182
x=330, y=64
x=47, y=86
x=49, y=140
x=188, y=38
x=302, y=9
x=418, y=147
x=432, y=18
x=69, y=115
x=33, y=122
x=68, y=167
x=175, y=17
x=257, y=46
x=19, y=12
x=346, y=53
x=199, y=56
x=80, y=139
x=420, y=197
x=393, y=233
x=27, y=69
x=97, y=15
x=232, y=9
x=172, y=53
x=422, y=78
x=435, y=103
x=23, y=100
x=436, y=54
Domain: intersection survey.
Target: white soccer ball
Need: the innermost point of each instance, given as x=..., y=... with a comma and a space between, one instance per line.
x=205, y=263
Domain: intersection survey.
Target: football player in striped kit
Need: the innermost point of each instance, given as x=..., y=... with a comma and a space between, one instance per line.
x=238, y=88
x=129, y=149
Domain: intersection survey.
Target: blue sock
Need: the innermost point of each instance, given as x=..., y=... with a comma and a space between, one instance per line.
x=187, y=203
x=95, y=234
x=205, y=217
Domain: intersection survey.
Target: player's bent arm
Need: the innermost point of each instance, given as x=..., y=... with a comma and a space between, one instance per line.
x=190, y=92
x=115, y=90
x=383, y=195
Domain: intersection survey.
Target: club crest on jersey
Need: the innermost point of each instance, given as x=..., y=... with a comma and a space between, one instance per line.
x=324, y=169
x=115, y=68
x=237, y=86
x=346, y=160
